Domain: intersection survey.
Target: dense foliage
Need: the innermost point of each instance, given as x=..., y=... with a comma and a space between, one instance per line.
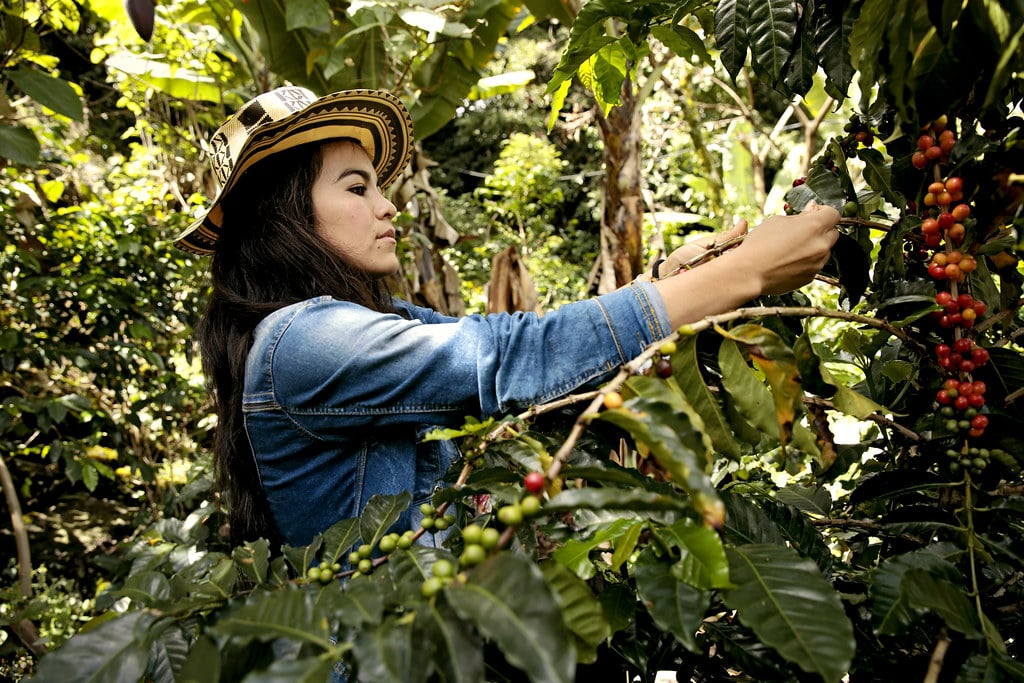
x=818, y=485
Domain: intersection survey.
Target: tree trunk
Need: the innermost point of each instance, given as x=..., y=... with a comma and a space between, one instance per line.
x=622, y=210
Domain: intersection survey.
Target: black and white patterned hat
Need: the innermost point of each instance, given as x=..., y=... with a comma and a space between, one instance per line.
x=292, y=116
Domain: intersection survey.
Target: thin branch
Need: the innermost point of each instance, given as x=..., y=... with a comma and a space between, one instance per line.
x=871, y=527
x=635, y=365
x=935, y=662
x=873, y=417
x=25, y=629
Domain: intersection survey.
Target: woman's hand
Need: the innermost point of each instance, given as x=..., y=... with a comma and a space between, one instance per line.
x=779, y=255
x=688, y=252
x=786, y=252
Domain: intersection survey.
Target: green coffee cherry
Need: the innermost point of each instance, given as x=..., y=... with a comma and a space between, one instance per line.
x=489, y=538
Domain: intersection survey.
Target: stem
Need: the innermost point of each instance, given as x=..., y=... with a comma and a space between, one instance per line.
x=18, y=527
x=935, y=662
x=971, y=542
x=634, y=365
x=25, y=629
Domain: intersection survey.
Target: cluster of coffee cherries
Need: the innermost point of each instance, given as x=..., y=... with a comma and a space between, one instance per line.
x=963, y=399
x=477, y=542
x=963, y=356
x=934, y=144
x=944, y=197
x=323, y=573
x=958, y=311
x=951, y=265
x=944, y=229
x=432, y=521
x=975, y=460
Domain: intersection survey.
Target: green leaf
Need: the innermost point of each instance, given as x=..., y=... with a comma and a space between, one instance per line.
x=90, y=475
x=315, y=14
x=821, y=186
x=289, y=613
x=549, y=9
x=380, y=514
x=771, y=32
x=19, y=144
x=787, y=603
x=146, y=588
x=339, y=539
x=168, y=77
x=890, y=612
x=203, y=662
x=252, y=559
x=357, y=603
x=867, y=40
x=660, y=418
x=457, y=648
x=626, y=544
x=116, y=650
x=923, y=590
x=301, y=557
x=613, y=499
x=878, y=173
x=746, y=523
x=683, y=41
x=732, y=18
x=687, y=374
x=387, y=652
x=777, y=362
x=815, y=500
x=49, y=91
x=575, y=553
x=675, y=606
x=893, y=484
x=803, y=62
x=702, y=562
x=507, y=599
x=801, y=534
x=581, y=610
x=833, y=25
x=752, y=399
x=285, y=51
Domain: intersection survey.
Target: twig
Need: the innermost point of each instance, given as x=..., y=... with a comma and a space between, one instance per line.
x=1007, y=491
x=633, y=367
x=866, y=526
x=25, y=629
x=873, y=417
x=938, y=655
x=874, y=225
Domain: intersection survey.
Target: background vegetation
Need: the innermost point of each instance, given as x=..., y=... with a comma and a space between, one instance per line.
x=801, y=490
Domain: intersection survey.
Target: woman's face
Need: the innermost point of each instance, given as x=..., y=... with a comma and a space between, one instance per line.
x=351, y=213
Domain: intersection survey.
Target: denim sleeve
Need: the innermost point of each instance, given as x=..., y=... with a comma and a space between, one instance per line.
x=336, y=365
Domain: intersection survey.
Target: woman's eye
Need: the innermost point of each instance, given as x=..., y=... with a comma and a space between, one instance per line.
x=358, y=189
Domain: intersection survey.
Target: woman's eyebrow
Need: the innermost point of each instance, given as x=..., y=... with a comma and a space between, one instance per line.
x=356, y=171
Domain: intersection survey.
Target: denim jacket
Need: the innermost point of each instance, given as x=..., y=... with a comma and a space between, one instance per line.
x=338, y=397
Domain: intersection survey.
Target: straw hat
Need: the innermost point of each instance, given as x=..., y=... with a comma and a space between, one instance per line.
x=291, y=116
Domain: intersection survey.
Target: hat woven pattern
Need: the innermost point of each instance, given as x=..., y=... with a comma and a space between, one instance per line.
x=287, y=117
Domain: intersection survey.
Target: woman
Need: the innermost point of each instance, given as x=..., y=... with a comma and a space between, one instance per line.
x=325, y=385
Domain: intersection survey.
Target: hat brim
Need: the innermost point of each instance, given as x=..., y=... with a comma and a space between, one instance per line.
x=376, y=118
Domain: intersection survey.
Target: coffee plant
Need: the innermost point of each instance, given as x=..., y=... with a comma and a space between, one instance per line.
x=819, y=486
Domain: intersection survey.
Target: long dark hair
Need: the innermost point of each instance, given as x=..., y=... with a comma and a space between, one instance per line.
x=269, y=255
